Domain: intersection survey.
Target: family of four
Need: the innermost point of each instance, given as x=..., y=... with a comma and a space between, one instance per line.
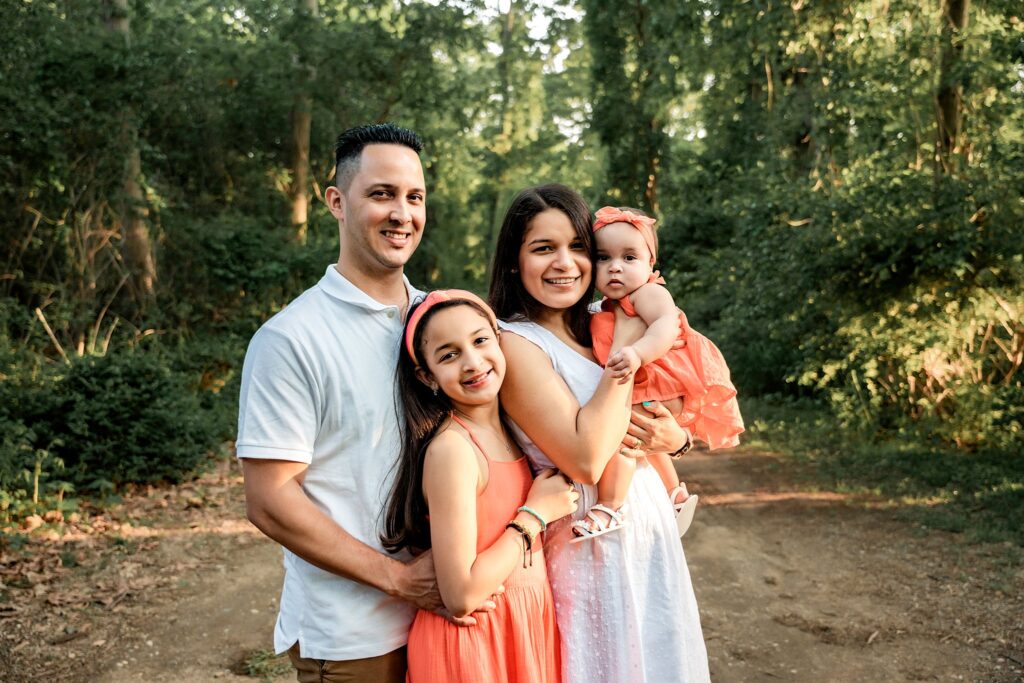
x=480, y=491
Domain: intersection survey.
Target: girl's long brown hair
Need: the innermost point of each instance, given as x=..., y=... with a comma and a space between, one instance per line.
x=405, y=514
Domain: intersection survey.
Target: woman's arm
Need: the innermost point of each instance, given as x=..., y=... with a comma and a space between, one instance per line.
x=580, y=441
x=450, y=484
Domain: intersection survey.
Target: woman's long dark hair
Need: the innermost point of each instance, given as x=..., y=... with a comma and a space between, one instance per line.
x=425, y=413
x=507, y=296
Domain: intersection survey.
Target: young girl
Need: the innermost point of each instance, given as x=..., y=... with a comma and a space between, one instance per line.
x=696, y=373
x=465, y=490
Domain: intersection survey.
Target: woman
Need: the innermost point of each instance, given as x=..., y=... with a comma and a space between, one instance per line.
x=624, y=603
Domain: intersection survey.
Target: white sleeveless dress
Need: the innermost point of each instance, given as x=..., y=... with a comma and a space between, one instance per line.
x=624, y=602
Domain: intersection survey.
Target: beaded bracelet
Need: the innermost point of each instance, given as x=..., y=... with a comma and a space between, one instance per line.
x=527, y=540
x=536, y=515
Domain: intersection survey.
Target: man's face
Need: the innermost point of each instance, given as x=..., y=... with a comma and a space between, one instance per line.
x=383, y=211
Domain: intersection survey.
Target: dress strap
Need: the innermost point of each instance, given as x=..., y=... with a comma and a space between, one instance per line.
x=472, y=436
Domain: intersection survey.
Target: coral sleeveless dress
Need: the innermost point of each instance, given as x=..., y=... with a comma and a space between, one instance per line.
x=697, y=373
x=516, y=642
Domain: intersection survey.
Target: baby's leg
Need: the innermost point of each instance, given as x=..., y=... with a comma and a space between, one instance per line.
x=614, y=483
x=663, y=466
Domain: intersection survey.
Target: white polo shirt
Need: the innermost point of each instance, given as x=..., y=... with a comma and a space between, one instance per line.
x=318, y=386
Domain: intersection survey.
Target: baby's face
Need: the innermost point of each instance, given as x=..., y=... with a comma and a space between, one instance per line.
x=623, y=260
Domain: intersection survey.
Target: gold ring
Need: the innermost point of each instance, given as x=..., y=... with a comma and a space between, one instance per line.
x=636, y=444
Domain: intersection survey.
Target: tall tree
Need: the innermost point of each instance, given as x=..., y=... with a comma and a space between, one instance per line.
x=949, y=100
x=302, y=120
x=138, y=243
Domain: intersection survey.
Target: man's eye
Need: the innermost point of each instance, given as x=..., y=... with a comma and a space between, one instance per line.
x=481, y=340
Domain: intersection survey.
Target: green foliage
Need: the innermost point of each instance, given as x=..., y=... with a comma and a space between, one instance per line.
x=814, y=224
x=981, y=494
x=126, y=418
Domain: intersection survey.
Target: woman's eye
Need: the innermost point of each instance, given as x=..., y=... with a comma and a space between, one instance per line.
x=481, y=340
x=576, y=246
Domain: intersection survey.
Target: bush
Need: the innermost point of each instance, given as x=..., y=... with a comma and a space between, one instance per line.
x=126, y=418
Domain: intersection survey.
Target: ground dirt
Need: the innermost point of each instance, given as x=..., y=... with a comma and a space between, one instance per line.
x=793, y=585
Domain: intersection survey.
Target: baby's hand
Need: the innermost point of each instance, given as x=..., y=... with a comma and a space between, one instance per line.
x=624, y=362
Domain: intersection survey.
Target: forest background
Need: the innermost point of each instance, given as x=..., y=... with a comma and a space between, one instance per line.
x=840, y=189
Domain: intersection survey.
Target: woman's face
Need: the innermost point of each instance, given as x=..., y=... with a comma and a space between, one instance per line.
x=554, y=264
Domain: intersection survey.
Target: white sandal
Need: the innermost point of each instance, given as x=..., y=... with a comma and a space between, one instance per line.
x=684, y=510
x=583, y=530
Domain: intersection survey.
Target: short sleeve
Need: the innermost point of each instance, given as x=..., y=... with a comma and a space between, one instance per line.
x=279, y=404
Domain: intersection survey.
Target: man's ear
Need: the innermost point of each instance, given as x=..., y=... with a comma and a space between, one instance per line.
x=335, y=200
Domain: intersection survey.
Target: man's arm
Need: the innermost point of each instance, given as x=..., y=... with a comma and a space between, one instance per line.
x=277, y=506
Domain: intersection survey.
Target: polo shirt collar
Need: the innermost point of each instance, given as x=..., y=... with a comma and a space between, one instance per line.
x=338, y=286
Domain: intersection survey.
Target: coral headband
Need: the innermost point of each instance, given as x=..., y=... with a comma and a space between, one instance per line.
x=431, y=300
x=609, y=214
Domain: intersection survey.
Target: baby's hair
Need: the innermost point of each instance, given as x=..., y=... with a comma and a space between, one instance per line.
x=425, y=413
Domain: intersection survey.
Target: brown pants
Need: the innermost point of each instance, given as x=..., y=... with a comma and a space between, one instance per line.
x=389, y=668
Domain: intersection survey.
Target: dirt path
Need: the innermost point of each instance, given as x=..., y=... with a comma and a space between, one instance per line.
x=792, y=586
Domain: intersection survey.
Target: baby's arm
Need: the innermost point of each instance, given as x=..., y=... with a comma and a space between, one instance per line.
x=654, y=305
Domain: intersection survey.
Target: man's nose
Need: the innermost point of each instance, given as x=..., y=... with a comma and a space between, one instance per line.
x=400, y=214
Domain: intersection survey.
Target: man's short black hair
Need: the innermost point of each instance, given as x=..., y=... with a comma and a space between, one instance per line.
x=350, y=144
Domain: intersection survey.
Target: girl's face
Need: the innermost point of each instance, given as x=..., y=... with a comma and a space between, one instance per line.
x=554, y=264
x=623, y=260
x=462, y=355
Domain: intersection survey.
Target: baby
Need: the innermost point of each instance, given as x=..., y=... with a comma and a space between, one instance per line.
x=692, y=379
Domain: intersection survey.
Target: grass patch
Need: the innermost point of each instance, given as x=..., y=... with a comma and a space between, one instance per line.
x=980, y=494
x=263, y=664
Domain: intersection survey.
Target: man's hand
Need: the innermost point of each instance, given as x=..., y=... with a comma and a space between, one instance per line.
x=416, y=583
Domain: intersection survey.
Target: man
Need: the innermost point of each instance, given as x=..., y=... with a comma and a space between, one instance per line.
x=318, y=432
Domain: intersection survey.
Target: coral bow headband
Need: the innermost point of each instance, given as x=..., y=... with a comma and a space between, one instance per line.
x=431, y=300
x=609, y=214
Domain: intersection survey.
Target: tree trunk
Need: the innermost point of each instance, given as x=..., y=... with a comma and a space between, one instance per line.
x=138, y=243
x=302, y=122
x=949, y=104
x=503, y=145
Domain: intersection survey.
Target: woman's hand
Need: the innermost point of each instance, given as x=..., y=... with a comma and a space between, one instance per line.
x=653, y=429
x=552, y=495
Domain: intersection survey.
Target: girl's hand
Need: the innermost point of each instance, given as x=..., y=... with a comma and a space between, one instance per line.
x=624, y=363
x=552, y=495
x=653, y=429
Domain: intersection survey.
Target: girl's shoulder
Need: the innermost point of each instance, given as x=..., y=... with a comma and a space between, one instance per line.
x=450, y=444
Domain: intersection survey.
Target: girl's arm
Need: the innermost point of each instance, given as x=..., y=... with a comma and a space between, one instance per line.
x=579, y=440
x=450, y=484
x=654, y=305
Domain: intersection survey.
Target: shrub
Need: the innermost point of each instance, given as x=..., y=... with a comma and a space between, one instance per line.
x=126, y=418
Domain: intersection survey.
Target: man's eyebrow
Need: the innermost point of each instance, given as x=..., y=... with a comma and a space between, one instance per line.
x=391, y=186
